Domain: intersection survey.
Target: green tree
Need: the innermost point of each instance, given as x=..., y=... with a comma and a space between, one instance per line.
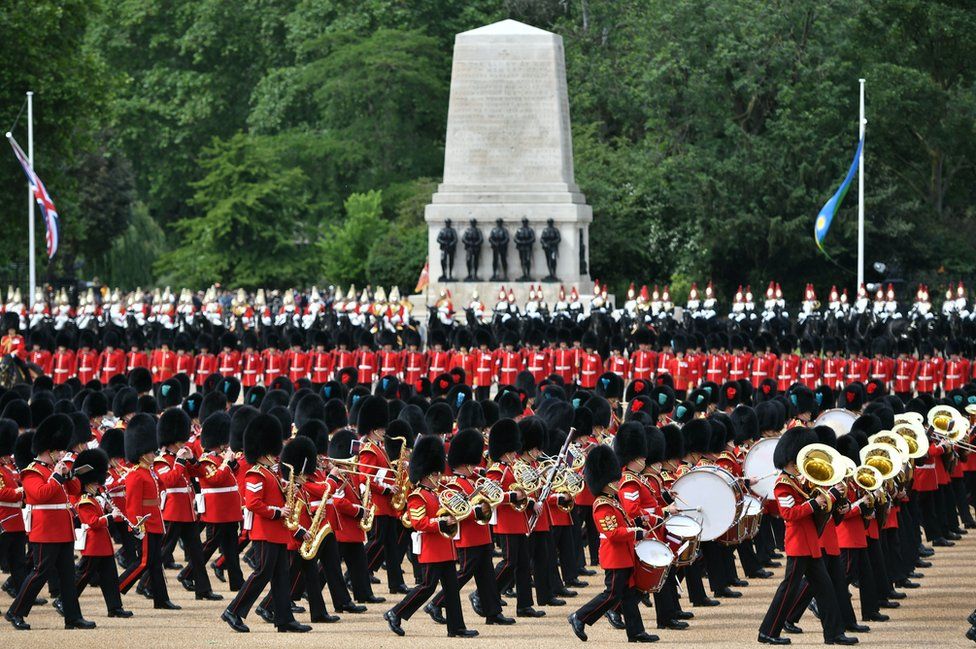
x=129, y=260
x=345, y=248
x=397, y=258
x=251, y=230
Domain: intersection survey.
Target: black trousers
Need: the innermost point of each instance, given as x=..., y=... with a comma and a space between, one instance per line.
x=929, y=503
x=666, y=604
x=747, y=557
x=108, y=579
x=881, y=580
x=150, y=564
x=693, y=581
x=617, y=591
x=835, y=569
x=432, y=574
x=242, y=542
x=562, y=538
x=303, y=577
x=224, y=537
x=891, y=550
x=189, y=534
x=476, y=563
x=482, y=392
x=589, y=535
x=543, y=565
x=514, y=567
x=385, y=546
x=815, y=572
x=857, y=567
x=715, y=563
x=126, y=540
x=49, y=559
x=13, y=556
x=330, y=572
x=354, y=554
x=272, y=562
x=961, y=496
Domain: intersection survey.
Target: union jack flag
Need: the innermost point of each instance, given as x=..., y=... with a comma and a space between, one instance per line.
x=48, y=211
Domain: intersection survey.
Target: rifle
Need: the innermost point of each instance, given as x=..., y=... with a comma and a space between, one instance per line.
x=547, y=488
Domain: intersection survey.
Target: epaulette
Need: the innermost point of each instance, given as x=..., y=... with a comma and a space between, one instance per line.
x=86, y=498
x=629, y=476
x=606, y=500
x=31, y=467
x=728, y=455
x=209, y=458
x=256, y=470
x=450, y=480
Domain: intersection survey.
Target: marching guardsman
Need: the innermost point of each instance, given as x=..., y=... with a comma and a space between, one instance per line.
x=644, y=359
x=534, y=439
x=375, y=466
x=297, y=360
x=618, y=537
x=432, y=540
x=511, y=522
x=111, y=360
x=47, y=484
x=221, y=497
x=229, y=359
x=473, y=543
x=366, y=360
x=252, y=363
x=267, y=513
x=94, y=512
x=13, y=538
x=803, y=553
x=347, y=503
x=204, y=363
x=175, y=468
x=322, y=360
x=162, y=361
x=142, y=492
x=113, y=443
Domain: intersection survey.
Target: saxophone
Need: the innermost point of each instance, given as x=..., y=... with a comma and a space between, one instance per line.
x=401, y=478
x=369, y=509
x=292, y=522
x=317, y=531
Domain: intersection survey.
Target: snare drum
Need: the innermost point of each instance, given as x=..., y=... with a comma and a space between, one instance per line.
x=748, y=524
x=714, y=494
x=682, y=534
x=653, y=561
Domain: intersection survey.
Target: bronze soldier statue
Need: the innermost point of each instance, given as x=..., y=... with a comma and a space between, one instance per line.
x=498, y=238
x=550, y=246
x=524, y=240
x=447, y=239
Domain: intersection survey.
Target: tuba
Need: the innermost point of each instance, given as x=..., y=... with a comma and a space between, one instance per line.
x=317, y=531
x=869, y=480
x=824, y=467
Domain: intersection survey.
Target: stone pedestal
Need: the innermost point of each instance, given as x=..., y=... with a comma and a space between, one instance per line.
x=509, y=155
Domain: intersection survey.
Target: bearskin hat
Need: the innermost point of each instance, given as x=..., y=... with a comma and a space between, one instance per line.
x=8, y=436
x=467, y=448
x=654, y=438
x=316, y=431
x=768, y=416
x=719, y=431
x=140, y=437
x=868, y=424
x=96, y=404
x=239, y=420
x=309, y=407
x=262, y=436
x=824, y=396
x=745, y=424
x=23, y=450
x=533, y=432
x=173, y=427
x=413, y=415
x=602, y=468
x=125, y=402
x=674, y=442
x=215, y=431
x=582, y=422
x=882, y=411
x=387, y=387
x=255, y=395
x=428, y=457
x=440, y=419
x=558, y=415
x=700, y=399
x=113, y=443
x=332, y=390
x=602, y=412
x=213, y=402
x=301, y=454
x=503, y=438
x=42, y=383
x=374, y=414
x=509, y=405
x=826, y=435
x=398, y=428
x=697, y=434
x=442, y=384
x=664, y=397
x=334, y=415
x=97, y=462
x=849, y=447
x=169, y=394
x=140, y=379
x=802, y=399
x=273, y=399
x=630, y=443
x=342, y=444
x=684, y=411
x=53, y=434
x=852, y=397
x=610, y=386
x=458, y=395
x=638, y=387
x=471, y=414
x=82, y=429
x=231, y=387
x=790, y=444
x=41, y=408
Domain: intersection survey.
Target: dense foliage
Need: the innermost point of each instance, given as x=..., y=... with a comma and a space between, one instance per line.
x=278, y=142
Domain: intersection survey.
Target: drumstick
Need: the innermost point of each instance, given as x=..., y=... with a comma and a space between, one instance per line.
x=762, y=477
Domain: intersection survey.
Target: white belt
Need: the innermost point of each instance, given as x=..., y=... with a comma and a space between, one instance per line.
x=178, y=490
x=57, y=506
x=218, y=490
x=14, y=505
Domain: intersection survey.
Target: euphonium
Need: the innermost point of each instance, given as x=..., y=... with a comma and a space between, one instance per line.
x=454, y=503
x=291, y=500
x=869, y=480
x=822, y=466
x=317, y=531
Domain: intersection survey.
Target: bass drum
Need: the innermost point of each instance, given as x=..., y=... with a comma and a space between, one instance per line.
x=654, y=558
x=714, y=497
x=758, y=465
x=840, y=419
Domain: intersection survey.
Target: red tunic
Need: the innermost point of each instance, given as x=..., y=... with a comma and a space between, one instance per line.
x=956, y=373
x=346, y=510
x=391, y=362
x=414, y=367
x=380, y=480
x=366, y=365
x=619, y=365
x=64, y=366
x=882, y=369
x=473, y=531
x=298, y=363
x=905, y=371
x=163, y=365
x=98, y=542
x=638, y=500
x=537, y=362
x=591, y=367
x=274, y=364
x=437, y=363
x=809, y=372
x=142, y=498
x=507, y=520
x=252, y=369
x=42, y=358
x=423, y=505
x=564, y=363
x=136, y=359
x=221, y=497
x=796, y=509
x=617, y=539
x=927, y=376
x=834, y=371
x=184, y=363
x=109, y=364
x=857, y=369
x=483, y=368
x=509, y=365
x=717, y=368
x=265, y=499
x=88, y=364
x=643, y=362
x=229, y=363
x=11, y=503
x=740, y=366
x=48, y=498
x=177, y=492
x=204, y=365
x=680, y=370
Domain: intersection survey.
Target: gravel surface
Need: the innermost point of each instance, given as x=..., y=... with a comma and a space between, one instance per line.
x=933, y=614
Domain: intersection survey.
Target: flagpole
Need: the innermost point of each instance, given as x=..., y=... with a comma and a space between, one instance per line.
x=860, y=194
x=30, y=199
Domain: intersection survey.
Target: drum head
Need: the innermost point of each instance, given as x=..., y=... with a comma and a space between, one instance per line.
x=683, y=526
x=759, y=464
x=654, y=553
x=711, y=494
x=752, y=506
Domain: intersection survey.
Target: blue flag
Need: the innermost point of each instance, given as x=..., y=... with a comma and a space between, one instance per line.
x=826, y=215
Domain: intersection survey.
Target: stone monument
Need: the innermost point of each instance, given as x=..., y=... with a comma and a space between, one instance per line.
x=509, y=157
